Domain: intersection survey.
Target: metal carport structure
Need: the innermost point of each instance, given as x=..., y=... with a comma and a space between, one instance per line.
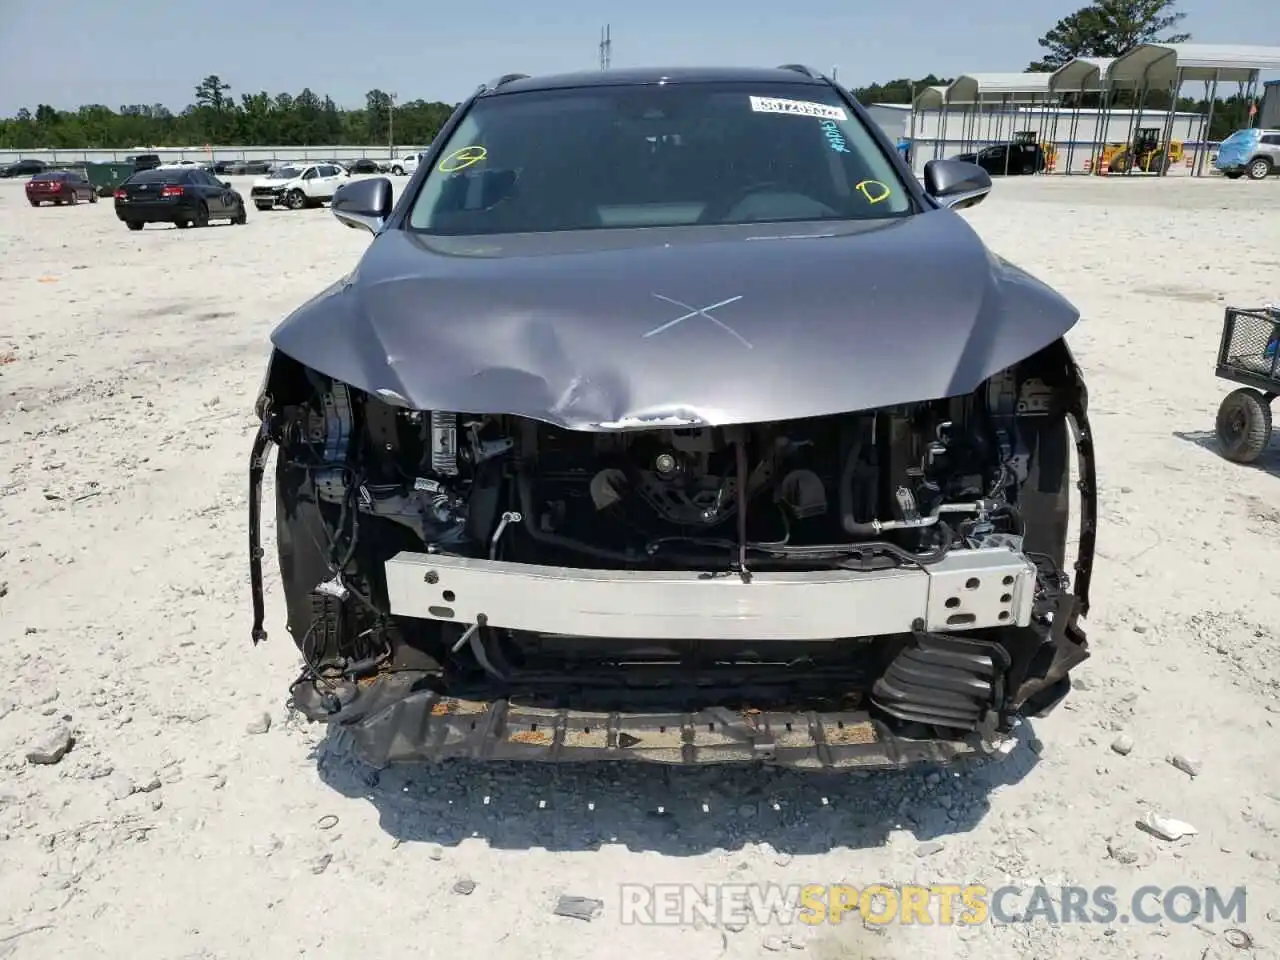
x=1080, y=76
x=1169, y=65
x=930, y=98
x=977, y=90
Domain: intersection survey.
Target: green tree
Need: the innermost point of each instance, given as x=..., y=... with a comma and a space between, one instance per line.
x=377, y=115
x=211, y=92
x=1107, y=29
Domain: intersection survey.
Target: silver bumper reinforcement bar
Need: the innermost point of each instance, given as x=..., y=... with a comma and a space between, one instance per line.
x=965, y=590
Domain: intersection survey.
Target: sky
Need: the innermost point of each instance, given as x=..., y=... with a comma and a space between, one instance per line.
x=155, y=51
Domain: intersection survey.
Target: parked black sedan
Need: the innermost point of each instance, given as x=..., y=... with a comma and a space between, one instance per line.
x=179, y=196
x=23, y=168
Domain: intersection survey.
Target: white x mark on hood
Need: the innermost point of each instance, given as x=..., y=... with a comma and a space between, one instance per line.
x=699, y=312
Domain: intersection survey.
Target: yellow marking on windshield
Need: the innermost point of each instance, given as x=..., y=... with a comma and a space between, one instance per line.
x=873, y=190
x=461, y=159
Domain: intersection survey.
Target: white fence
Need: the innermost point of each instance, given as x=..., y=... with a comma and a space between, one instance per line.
x=211, y=153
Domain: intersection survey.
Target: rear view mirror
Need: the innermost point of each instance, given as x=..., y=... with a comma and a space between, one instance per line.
x=364, y=204
x=956, y=184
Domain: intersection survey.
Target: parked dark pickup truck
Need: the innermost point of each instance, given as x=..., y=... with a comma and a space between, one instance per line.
x=1011, y=159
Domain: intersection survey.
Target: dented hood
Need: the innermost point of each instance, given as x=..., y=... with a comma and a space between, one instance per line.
x=621, y=329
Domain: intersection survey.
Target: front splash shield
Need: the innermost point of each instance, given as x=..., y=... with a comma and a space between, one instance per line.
x=391, y=722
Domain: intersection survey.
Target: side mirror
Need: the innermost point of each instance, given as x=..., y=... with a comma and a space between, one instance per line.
x=363, y=204
x=956, y=184
x=227, y=184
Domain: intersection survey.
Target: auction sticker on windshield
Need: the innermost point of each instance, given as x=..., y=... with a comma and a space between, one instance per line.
x=799, y=108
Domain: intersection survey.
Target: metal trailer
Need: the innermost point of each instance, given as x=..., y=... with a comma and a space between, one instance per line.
x=1248, y=355
x=105, y=177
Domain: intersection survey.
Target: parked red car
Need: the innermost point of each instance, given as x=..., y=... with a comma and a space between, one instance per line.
x=60, y=186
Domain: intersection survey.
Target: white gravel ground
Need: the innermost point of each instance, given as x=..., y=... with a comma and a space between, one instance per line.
x=128, y=366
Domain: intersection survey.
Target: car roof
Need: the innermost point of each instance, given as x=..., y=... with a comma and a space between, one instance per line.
x=643, y=75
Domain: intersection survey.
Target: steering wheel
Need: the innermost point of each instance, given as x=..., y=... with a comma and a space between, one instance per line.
x=716, y=211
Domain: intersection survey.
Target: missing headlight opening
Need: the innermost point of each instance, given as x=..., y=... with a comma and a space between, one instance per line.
x=867, y=587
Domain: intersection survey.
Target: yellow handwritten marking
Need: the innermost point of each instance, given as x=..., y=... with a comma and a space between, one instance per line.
x=868, y=189
x=461, y=159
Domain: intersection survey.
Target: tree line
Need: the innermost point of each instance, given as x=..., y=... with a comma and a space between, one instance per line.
x=1106, y=28
x=217, y=117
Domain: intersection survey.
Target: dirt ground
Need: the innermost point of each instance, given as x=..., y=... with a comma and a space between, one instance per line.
x=128, y=367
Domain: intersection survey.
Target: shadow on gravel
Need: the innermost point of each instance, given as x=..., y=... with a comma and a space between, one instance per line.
x=674, y=811
x=1208, y=440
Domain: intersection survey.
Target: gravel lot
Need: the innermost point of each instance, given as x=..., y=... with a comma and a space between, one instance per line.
x=176, y=828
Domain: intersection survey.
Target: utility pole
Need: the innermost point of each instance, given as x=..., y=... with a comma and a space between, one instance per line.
x=606, y=47
x=391, y=126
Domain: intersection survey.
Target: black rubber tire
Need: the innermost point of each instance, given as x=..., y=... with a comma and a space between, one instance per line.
x=182, y=224
x=1234, y=174
x=74, y=198
x=133, y=224
x=295, y=200
x=202, y=215
x=1243, y=425
x=34, y=203
x=93, y=196
x=1118, y=165
x=1259, y=168
x=398, y=171
x=264, y=207
x=241, y=218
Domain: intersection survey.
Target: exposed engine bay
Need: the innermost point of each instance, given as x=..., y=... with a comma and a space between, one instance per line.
x=894, y=492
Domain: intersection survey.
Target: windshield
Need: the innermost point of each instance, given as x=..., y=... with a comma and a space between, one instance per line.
x=656, y=155
x=158, y=176
x=285, y=173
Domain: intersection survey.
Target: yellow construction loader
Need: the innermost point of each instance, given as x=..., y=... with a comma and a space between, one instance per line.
x=1147, y=153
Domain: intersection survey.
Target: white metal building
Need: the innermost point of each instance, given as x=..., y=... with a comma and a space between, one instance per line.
x=1269, y=115
x=1078, y=134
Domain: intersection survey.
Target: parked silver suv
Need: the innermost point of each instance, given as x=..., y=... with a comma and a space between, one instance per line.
x=1250, y=151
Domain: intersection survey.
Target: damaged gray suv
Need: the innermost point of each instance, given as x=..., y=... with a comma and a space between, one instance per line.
x=668, y=417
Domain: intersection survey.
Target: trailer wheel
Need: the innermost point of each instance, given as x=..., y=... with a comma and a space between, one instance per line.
x=1244, y=425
